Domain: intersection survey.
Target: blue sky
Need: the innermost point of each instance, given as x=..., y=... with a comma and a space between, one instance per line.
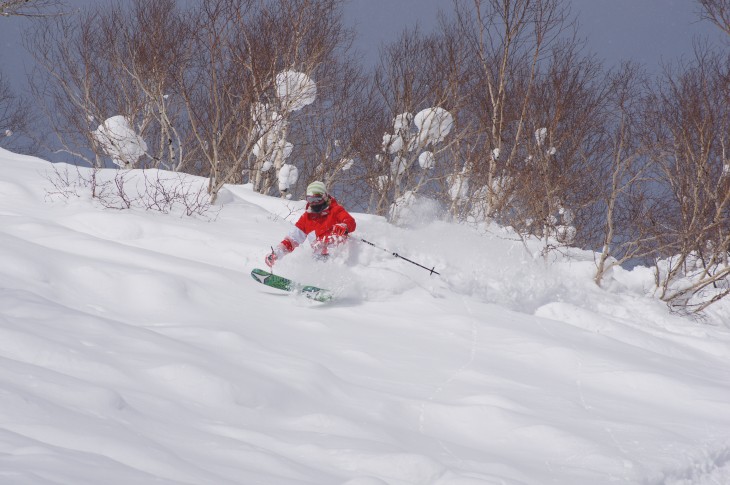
x=647, y=31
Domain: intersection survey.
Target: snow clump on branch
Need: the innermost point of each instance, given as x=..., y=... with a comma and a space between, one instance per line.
x=295, y=90
x=119, y=140
x=433, y=124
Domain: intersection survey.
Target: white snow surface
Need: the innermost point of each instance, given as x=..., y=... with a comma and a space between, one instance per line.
x=136, y=349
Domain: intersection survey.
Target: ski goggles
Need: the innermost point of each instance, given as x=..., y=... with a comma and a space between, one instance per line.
x=316, y=199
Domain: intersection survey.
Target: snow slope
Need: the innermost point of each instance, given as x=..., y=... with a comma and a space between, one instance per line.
x=136, y=349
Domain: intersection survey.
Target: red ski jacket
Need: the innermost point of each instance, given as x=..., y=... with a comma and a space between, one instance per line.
x=321, y=225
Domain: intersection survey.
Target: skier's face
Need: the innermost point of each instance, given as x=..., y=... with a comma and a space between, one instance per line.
x=317, y=202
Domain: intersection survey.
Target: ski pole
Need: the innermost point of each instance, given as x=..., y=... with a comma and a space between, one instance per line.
x=271, y=268
x=432, y=270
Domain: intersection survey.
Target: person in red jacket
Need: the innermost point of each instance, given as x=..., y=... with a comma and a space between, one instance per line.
x=324, y=217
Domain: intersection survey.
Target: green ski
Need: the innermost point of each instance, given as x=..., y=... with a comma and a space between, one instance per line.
x=281, y=283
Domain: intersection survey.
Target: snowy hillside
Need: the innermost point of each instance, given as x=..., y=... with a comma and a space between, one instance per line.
x=136, y=349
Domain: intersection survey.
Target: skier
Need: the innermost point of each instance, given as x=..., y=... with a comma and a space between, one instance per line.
x=327, y=219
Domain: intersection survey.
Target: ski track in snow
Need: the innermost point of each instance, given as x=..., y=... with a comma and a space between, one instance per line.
x=135, y=348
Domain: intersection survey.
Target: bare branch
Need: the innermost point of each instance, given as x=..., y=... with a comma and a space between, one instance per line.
x=718, y=12
x=31, y=8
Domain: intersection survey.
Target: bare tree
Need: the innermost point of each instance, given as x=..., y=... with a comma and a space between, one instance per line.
x=72, y=81
x=110, y=81
x=690, y=138
x=16, y=111
x=108, y=78
x=627, y=204
x=418, y=85
x=530, y=110
x=401, y=84
x=151, y=51
x=323, y=133
x=148, y=84
x=538, y=105
x=15, y=120
x=233, y=94
x=333, y=134
x=508, y=39
x=553, y=180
